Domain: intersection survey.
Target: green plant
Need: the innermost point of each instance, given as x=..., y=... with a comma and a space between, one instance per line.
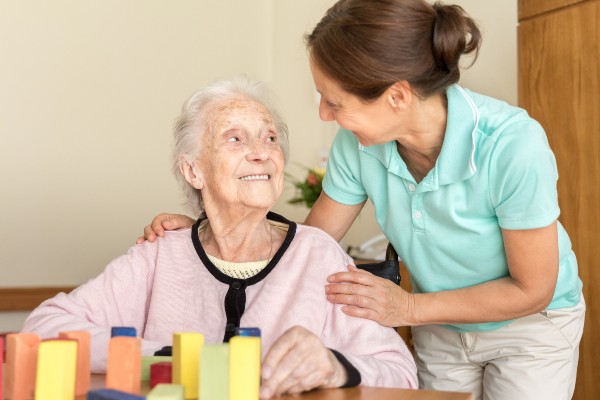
x=308, y=189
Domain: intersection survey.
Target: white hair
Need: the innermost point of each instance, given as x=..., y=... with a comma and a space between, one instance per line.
x=194, y=121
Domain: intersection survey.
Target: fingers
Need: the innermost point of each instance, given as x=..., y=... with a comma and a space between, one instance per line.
x=298, y=361
x=358, y=299
x=271, y=371
x=354, y=275
x=158, y=225
x=291, y=372
x=365, y=313
x=364, y=295
x=309, y=382
x=163, y=222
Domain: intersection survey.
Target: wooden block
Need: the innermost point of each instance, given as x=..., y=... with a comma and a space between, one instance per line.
x=161, y=372
x=186, y=361
x=123, y=371
x=111, y=394
x=247, y=332
x=244, y=368
x=21, y=365
x=214, y=372
x=123, y=331
x=56, y=370
x=1, y=365
x=167, y=392
x=82, y=379
x=147, y=361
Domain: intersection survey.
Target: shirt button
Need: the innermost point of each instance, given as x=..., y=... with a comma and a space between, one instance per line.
x=236, y=285
x=230, y=327
x=411, y=187
x=418, y=214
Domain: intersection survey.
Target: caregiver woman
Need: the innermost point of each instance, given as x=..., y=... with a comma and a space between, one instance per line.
x=464, y=187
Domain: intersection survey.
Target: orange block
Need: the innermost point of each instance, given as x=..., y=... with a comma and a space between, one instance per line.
x=124, y=367
x=82, y=381
x=1, y=365
x=21, y=365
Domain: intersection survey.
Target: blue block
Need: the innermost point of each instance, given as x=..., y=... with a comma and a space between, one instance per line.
x=122, y=331
x=247, y=332
x=111, y=394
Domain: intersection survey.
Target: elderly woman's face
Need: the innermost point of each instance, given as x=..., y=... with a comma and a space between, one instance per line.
x=241, y=161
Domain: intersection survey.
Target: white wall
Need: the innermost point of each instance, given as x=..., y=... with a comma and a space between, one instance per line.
x=88, y=94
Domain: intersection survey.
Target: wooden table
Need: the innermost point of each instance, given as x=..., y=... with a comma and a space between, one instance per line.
x=357, y=393
x=371, y=393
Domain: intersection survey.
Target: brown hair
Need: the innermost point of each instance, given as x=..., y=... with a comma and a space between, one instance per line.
x=368, y=45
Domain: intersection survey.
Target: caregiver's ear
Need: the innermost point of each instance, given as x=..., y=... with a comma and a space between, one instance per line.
x=400, y=95
x=191, y=173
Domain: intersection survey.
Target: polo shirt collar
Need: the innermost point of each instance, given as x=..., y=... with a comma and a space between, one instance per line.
x=456, y=161
x=387, y=154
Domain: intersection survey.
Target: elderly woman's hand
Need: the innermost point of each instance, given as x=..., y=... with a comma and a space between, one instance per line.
x=164, y=221
x=298, y=361
x=365, y=295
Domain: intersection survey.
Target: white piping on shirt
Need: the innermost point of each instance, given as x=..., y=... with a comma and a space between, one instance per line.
x=475, y=112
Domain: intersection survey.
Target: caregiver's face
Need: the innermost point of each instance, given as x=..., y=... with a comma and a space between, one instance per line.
x=371, y=123
x=241, y=162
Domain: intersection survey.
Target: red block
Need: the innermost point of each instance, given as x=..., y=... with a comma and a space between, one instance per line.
x=161, y=372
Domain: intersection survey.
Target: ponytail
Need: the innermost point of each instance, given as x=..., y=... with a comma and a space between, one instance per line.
x=368, y=45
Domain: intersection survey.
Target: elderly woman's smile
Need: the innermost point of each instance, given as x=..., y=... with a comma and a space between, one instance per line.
x=255, y=178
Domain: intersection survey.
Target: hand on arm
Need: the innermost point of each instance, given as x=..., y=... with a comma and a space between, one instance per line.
x=298, y=361
x=532, y=257
x=163, y=222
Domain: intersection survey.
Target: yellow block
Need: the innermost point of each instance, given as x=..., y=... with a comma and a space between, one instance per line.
x=186, y=361
x=56, y=369
x=244, y=368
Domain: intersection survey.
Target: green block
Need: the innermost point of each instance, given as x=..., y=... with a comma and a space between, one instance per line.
x=147, y=361
x=214, y=372
x=164, y=391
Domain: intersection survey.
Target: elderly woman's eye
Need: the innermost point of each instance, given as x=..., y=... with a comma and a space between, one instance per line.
x=233, y=139
x=272, y=138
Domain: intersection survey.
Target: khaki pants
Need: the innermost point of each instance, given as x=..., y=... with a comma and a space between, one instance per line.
x=534, y=357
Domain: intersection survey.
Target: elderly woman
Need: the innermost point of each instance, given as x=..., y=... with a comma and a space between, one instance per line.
x=239, y=265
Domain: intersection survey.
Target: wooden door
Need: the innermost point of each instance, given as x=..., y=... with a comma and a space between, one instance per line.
x=559, y=85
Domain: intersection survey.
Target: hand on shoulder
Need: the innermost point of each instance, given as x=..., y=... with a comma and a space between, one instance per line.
x=163, y=222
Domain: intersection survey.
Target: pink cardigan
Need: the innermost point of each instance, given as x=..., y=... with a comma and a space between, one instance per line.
x=165, y=287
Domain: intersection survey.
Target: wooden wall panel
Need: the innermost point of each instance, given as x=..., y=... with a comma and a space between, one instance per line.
x=24, y=299
x=530, y=8
x=559, y=84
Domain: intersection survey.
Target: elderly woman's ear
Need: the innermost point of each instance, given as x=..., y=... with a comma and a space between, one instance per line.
x=191, y=173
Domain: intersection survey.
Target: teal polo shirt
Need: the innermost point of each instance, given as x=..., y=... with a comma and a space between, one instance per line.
x=495, y=171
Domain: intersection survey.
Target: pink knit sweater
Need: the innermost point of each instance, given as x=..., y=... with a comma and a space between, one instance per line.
x=165, y=287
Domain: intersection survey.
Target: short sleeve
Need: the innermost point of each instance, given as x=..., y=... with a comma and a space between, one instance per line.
x=523, y=178
x=342, y=181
